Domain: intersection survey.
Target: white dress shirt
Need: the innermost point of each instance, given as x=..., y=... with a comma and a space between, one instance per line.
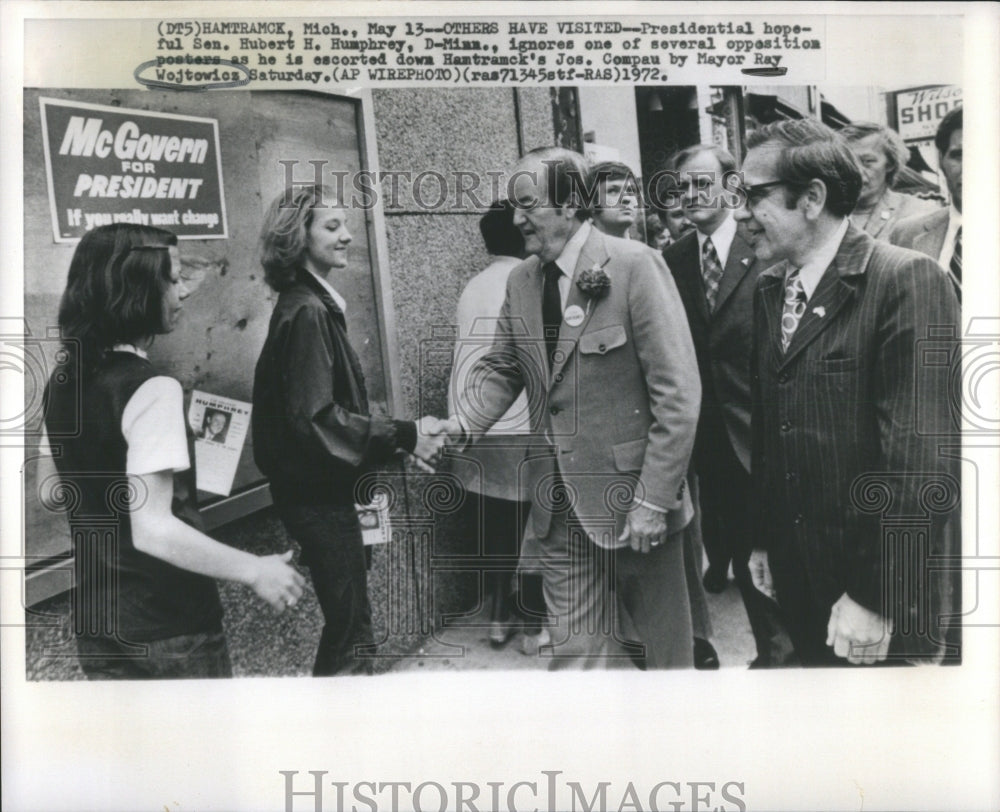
x=329, y=289
x=948, y=248
x=568, y=258
x=722, y=239
x=812, y=271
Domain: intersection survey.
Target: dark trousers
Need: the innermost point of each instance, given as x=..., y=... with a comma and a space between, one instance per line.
x=500, y=524
x=724, y=492
x=332, y=549
x=201, y=655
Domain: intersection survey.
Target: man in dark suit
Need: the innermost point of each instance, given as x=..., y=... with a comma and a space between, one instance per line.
x=716, y=272
x=850, y=406
x=939, y=234
x=594, y=333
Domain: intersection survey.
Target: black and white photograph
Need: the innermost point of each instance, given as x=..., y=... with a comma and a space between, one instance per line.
x=645, y=337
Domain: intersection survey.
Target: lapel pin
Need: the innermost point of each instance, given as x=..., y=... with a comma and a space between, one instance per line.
x=820, y=311
x=746, y=262
x=574, y=316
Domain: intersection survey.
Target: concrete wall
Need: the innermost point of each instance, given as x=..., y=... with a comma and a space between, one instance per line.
x=432, y=255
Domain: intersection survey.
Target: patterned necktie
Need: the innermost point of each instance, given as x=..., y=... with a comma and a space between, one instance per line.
x=551, y=307
x=711, y=270
x=795, y=306
x=956, y=258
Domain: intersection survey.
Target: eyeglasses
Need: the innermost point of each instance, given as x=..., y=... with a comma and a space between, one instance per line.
x=759, y=191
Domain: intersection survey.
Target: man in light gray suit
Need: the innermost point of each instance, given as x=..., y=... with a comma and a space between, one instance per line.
x=939, y=234
x=594, y=333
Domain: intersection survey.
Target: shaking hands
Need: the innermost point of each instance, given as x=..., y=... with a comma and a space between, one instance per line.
x=433, y=434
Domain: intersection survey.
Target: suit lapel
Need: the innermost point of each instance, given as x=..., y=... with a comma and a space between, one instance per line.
x=882, y=213
x=533, y=326
x=931, y=241
x=772, y=292
x=594, y=254
x=738, y=262
x=836, y=287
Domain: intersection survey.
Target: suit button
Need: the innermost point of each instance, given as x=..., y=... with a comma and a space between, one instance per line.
x=558, y=378
x=602, y=347
x=786, y=425
x=783, y=377
x=553, y=410
x=798, y=518
x=789, y=476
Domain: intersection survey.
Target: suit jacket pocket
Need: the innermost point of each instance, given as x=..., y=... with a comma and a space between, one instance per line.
x=630, y=455
x=604, y=340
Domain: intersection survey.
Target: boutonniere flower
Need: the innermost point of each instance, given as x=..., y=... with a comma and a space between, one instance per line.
x=820, y=311
x=594, y=283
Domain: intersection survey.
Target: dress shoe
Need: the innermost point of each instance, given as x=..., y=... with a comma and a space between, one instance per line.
x=531, y=643
x=705, y=658
x=715, y=580
x=501, y=631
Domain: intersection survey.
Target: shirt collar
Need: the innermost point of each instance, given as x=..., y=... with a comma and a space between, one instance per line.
x=571, y=250
x=722, y=239
x=813, y=270
x=337, y=298
x=130, y=348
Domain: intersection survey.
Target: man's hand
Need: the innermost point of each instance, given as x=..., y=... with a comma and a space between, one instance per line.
x=760, y=573
x=453, y=428
x=645, y=528
x=860, y=635
x=431, y=438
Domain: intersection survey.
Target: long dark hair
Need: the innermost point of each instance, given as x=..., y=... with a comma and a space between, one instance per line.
x=114, y=289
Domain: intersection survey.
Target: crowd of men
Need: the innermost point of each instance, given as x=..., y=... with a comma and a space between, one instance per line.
x=760, y=388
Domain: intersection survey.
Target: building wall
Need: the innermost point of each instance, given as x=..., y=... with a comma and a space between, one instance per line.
x=433, y=252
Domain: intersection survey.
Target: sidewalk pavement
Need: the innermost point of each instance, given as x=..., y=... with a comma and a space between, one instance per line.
x=463, y=644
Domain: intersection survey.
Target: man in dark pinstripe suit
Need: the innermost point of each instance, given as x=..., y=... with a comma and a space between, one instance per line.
x=852, y=343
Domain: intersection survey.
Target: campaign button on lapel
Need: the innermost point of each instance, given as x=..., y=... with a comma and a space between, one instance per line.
x=574, y=316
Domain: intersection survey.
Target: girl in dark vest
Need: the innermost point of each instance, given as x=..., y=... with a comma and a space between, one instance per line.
x=145, y=603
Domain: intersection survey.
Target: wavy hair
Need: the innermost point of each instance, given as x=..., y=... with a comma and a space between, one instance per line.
x=114, y=289
x=812, y=151
x=284, y=237
x=890, y=142
x=951, y=122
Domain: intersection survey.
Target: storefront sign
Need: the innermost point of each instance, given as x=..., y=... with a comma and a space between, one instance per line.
x=920, y=110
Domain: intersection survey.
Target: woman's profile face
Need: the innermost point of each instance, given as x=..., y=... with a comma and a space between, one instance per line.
x=175, y=293
x=874, y=167
x=328, y=239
